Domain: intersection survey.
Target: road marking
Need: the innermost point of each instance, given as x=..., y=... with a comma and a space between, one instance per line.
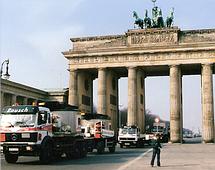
x=134, y=160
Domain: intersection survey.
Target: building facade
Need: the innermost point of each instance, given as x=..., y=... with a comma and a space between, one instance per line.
x=15, y=93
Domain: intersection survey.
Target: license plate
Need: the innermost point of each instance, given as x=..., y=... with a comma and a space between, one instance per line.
x=14, y=149
x=127, y=144
x=25, y=135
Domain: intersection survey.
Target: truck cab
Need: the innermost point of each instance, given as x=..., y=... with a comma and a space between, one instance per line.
x=130, y=136
x=27, y=130
x=22, y=130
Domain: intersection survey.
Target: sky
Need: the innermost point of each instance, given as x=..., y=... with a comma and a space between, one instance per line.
x=33, y=33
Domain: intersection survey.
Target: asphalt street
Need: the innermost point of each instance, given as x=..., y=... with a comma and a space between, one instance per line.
x=107, y=161
x=188, y=156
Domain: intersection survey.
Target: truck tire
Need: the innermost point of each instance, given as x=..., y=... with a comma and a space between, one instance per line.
x=100, y=147
x=83, y=150
x=112, y=149
x=121, y=145
x=79, y=151
x=11, y=158
x=46, y=152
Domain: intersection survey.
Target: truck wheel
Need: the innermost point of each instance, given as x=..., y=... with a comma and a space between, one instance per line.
x=83, y=150
x=121, y=145
x=76, y=152
x=100, y=147
x=46, y=152
x=11, y=158
x=69, y=155
x=57, y=156
x=112, y=149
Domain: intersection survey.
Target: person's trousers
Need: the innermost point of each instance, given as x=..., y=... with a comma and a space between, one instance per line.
x=156, y=152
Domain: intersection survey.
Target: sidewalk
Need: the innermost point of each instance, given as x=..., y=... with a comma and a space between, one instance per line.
x=180, y=157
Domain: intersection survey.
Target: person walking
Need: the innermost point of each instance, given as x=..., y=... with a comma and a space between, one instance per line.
x=156, y=151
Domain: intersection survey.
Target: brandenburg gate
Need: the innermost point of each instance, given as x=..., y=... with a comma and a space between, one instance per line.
x=137, y=54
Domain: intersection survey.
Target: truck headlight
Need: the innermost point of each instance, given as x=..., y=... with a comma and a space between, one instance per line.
x=28, y=148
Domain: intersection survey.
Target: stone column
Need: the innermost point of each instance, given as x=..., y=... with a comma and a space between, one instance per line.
x=85, y=91
x=132, y=96
x=102, y=91
x=73, y=88
x=112, y=97
x=207, y=104
x=14, y=99
x=2, y=99
x=141, y=100
x=175, y=104
x=25, y=101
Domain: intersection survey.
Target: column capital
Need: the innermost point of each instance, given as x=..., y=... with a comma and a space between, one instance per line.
x=174, y=65
x=207, y=64
x=73, y=70
x=102, y=68
x=131, y=67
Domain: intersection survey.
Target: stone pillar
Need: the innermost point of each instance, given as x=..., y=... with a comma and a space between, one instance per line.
x=141, y=100
x=132, y=96
x=73, y=88
x=102, y=91
x=207, y=104
x=14, y=99
x=25, y=101
x=2, y=99
x=112, y=97
x=85, y=91
x=176, y=126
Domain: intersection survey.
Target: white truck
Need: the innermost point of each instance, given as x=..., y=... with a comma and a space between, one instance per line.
x=162, y=129
x=131, y=136
x=97, y=132
x=27, y=130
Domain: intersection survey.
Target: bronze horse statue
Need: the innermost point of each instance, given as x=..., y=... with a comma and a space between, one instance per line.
x=147, y=20
x=169, y=20
x=138, y=21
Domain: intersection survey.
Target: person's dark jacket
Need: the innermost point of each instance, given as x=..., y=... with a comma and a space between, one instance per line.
x=157, y=144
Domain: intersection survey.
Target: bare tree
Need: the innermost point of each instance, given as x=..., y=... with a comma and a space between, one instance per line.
x=149, y=118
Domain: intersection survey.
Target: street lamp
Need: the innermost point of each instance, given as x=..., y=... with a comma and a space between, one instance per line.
x=6, y=75
x=157, y=120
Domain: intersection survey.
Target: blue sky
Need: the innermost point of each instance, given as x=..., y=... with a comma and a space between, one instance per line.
x=35, y=32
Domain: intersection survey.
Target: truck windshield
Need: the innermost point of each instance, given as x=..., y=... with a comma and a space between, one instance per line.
x=22, y=116
x=157, y=129
x=129, y=131
x=21, y=120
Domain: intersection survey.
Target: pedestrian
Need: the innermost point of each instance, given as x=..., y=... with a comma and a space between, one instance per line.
x=156, y=151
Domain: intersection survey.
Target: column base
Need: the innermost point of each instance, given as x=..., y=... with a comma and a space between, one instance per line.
x=208, y=141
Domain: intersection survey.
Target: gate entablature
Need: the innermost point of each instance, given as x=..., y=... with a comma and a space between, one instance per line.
x=143, y=47
x=140, y=38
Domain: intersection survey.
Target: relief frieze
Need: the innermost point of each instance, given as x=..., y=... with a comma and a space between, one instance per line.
x=153, y=38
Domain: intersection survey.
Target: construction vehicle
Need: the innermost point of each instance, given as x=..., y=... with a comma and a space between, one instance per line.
x=27, y=130
x=97, y=132
x=131, y=136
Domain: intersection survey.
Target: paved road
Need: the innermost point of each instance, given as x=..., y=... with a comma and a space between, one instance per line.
x=107, y=161
x=173, y=156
